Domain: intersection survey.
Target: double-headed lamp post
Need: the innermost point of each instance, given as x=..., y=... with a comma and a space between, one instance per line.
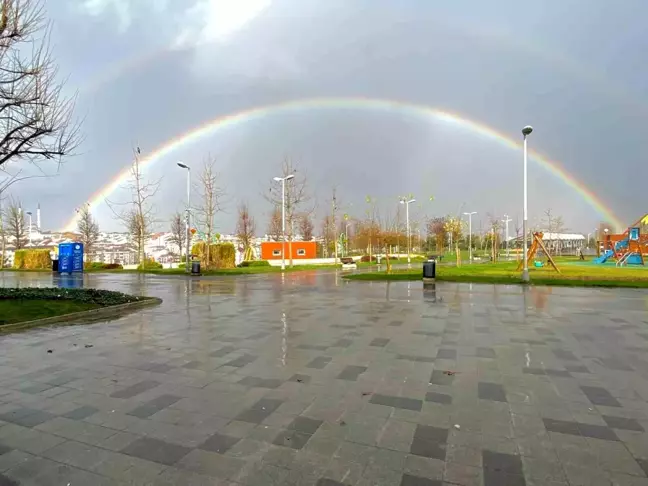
x=283, y=217
x=188, y=218
x=470, y=257
x=526, y=131
x=407, y=202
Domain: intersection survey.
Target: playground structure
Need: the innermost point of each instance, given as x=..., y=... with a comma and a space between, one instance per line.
x=627, y=248
x=537, y=243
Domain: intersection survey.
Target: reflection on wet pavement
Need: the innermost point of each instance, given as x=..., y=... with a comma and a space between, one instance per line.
x=306, y=378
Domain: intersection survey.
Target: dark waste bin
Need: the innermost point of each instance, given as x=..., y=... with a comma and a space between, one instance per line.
x=195, y=268
x=55, y=265
x=429, y=269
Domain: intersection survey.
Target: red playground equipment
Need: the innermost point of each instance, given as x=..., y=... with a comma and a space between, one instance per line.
x=627, y=248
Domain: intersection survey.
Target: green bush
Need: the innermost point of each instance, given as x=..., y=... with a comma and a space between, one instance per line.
x=221, y=255
x=32, y=260
x=102, y=266
x=149, y=265
x=254, y=263
x=91, y=296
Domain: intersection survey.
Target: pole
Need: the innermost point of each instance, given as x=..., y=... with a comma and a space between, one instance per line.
x=335, y=236
x=470, y=237
x=283, y=223
x=346, y=239
x=408, y=232
x=188, y=249
x=525, y=271
x=506, y=221
x=30, y=223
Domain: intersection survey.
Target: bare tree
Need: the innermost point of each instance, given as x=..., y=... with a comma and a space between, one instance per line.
x=88, y=229
x=553, y=224
x=245, y=226
x=211, y=196
x=274, y=225
x=138, y=213
x=35, y=116
x=328, y=234
x=178, y=231
x=306, y=227
x=295, y=198
x=16, y=227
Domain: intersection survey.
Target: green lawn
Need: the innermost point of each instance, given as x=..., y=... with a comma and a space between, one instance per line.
x=20, y=310
x=572, y=274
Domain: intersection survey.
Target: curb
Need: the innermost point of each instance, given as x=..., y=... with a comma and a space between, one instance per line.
x=93, y=314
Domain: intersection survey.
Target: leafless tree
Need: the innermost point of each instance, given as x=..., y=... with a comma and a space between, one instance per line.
x=211, y=195
x=328, y=234
x=553, y=224
x=274, y=225
x=306, y=227
x=138, y=213
x=296, y=198
x=245, y=226
x=16, y=227
x=88, y=229
x=35, y=115
x=178, y=231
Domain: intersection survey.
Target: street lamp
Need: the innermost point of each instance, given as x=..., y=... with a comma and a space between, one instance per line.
x=188, y=218
x=407, y=202
x=29, y=213
x=470, y=257
x=283, y=216
x=506, y=221
x=526, y=131
x=589, y=235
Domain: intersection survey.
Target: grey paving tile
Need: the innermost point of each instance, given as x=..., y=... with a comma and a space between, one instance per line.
x=27, y=417
x=260, y=410
x=438, y=398
x=6, y=481
x=305, y=379
x=409, y=480
x=224, y=351
x=419, y=359
x=426, y=333
x=482, y=352
x=342, y=343
x=597, y=432
x=153, y=406
x=441, y=377
x=156, y=451
x=351, y=372
x=615, y=364
x=565, y=355
x=491, y=391
x=561, y=426
x=379, y=342
x=135, y=389
x=211, y=464
x=502, y=463
x=623, y=423
x=292, y=438
x=397, y=402
x=319, y=363
x=546, y=372
x=241, y=361
x=252, y=381
x=446, y=354
x=81, y=412
x=219, y=443
x=314, y=347
x=596, y=395
x=577, y=368
x=329, y=482
x=305, y=424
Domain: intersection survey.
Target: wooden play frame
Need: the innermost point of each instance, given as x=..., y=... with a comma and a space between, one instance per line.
x=537, y=242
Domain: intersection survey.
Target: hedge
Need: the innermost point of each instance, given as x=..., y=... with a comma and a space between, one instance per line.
x=221, y=255
x=32, y=259
x=149, y=265
x=254, y=263
x=103, y=266
x=91, y=296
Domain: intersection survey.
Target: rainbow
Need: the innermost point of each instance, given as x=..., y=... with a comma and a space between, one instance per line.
x=355, y=103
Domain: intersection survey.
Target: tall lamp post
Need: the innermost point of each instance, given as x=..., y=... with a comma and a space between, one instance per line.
x=283, y=217
x=407, y=202
x=589, y=236
x=506, y=221
x=188, y=218
x=29, y=213
x=526, y=131
x=470, y=257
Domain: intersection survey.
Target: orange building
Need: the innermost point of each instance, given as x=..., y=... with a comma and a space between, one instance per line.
x=301, y=250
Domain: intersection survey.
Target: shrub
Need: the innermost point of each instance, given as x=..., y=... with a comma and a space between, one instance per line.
x=221, y=255
x=365, y=259
x=149, y=265
x=102, y=266
x=93, y=296
x=32, y=260
x=254, y=263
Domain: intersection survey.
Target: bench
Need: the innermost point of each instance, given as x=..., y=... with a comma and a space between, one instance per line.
x=347, y=261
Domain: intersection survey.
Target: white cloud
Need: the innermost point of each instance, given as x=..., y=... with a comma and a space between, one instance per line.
x=124, y=10
x=216, y=20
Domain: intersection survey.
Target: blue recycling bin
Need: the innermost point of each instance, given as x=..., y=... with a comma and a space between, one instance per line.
x=70, y=258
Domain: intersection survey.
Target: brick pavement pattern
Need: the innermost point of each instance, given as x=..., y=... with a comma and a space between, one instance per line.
x=309, y=380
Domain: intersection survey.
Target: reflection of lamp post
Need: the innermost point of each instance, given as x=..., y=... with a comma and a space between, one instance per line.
x=283, y=217
x=525, y=273
x=29, y=213
x=407, y=202
x=184, y=166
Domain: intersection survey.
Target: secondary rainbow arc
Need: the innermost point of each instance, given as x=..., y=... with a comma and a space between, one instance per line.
x=239, y=118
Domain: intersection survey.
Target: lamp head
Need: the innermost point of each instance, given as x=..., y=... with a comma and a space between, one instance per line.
x=278, y=179
x=288, y=177
x=184, y=166
x=527, y=130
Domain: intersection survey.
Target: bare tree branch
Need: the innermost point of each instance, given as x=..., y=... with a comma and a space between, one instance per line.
x=245, y=226
x=211, y=196
x=88, y=229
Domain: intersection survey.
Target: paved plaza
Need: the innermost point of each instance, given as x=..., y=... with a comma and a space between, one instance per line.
x=308, y=379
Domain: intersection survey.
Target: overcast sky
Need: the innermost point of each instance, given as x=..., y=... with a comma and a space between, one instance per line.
x=149, y=70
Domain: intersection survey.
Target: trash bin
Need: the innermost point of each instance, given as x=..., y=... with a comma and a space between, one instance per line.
x=429, y=270
x=55, y=265
x=195, y=268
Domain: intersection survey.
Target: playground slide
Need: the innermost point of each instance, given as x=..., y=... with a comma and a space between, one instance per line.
x=604, y=257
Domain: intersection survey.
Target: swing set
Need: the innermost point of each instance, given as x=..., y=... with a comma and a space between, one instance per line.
x=537, y=243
